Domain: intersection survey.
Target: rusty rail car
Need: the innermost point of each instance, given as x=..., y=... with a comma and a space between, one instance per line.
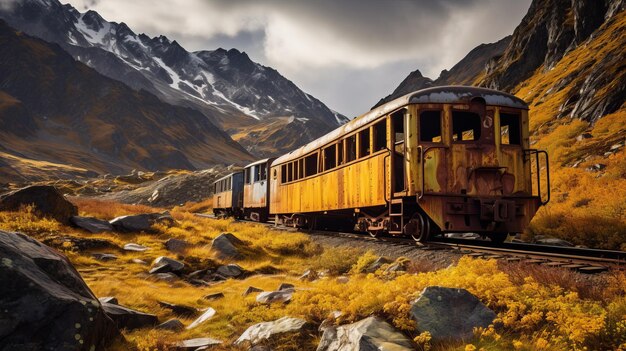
x=438, y=160
x=228, y=195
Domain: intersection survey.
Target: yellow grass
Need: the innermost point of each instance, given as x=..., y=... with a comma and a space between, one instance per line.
x=536, y=309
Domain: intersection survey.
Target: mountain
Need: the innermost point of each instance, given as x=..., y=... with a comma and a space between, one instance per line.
x=60, y=116
x=567, y=59
x=465, y=72
x=236, y=93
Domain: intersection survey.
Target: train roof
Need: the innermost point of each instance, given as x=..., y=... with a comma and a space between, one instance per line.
x=227, y=176
x=434, y=95
x=258, y=162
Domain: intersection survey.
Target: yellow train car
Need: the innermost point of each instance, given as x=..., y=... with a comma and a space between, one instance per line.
x=256, y=189
x=444, y=159
x=228, y=195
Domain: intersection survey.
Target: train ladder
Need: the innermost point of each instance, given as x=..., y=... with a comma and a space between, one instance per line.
x=396, y=216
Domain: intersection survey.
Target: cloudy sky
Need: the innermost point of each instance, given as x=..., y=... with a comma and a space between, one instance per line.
x=347, y=53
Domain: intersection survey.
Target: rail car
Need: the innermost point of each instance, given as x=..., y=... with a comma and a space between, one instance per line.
x=448, y=159
x=228, y=195
x=256, y=190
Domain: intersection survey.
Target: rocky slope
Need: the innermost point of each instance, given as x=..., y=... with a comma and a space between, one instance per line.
x=57, y=114
x=228, y=87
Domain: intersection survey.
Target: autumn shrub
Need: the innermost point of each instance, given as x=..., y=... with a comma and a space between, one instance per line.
x=28, y=221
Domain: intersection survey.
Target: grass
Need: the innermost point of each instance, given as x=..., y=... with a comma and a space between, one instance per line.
x=538, y=307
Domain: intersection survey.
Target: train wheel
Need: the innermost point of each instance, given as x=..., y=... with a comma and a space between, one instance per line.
x=375, y=233
x=418, y=228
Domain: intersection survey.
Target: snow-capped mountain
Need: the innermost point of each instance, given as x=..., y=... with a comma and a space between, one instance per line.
x=235, y=92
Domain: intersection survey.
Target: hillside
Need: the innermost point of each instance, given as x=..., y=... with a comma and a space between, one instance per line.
x=59, y=116
x=236, y=93
x=566, y=59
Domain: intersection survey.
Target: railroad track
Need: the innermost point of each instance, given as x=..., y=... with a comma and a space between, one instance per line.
x=583, y=260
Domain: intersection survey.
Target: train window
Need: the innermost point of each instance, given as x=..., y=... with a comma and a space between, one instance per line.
x=351, y=148
x=465, y=126
x=364, y=143
x=283, y=174
x=330, y=157
x=290, y=171
x=310, y=165
x=430, y=126
x=380, y=135
x=263, y=171
x=301, y=168
x=510, y=133
x=398, y=126
x=340, y=153
x=246, y=173
x=229, y=184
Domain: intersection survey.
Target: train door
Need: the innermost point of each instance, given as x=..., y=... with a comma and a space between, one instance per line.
x=399, y=152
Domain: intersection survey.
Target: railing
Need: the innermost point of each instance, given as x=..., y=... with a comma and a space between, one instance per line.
x=535, y=152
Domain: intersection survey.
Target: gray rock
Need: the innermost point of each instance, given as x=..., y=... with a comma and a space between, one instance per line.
x=230, y=271
x=46, y=200
x=91, y=224
x=270, y=297
x=266, y=330
x=251, y=290
x=135, y=247
x=205, y=316
x=177, y=245
x=141, y=222
x=616, y=147
x=181, y=310
x=343, y=279
x=127, y=318
x=165, y=265
x=376, y=265
x=167, y=277
x=226, y=246
x=260, y=348
x=584, y=136
x=139, y=261
x=197, y=344
x=104, y=257
x=108, y=299
x=370, y=334
x=309, y=275
x=450, y=314
x=171, y=324
x=43, y=299
x=398, y=266
x=286, y=286
x=215, y=296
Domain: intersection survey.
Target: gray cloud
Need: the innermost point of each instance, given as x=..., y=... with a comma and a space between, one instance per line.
x=347, y=53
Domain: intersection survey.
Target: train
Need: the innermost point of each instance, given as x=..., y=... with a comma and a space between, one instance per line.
x=451, y=159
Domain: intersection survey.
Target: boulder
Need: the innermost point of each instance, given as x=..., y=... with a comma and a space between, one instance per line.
x=141, y=222
x=91, y=224
x=80, y=244
x=269, y=297
x=135, y=247
x=177, y=245
x=230, y=271
x=206, y=315
x=197, y=344
x=215, y=296
x=171, y=324
x=376, y=265
x=165, y=265
x=266, y=330
x=309, y=275
x=370, y=334
x=108, y=299
x=139, y=261
x=127, y=318
x=251, y=290
x=181, y=310
x=450, y=314
x=104, y=257
x=45, y=303
x=46, y=200
x=226, y=246
x=166, y=277
x=286, y=286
